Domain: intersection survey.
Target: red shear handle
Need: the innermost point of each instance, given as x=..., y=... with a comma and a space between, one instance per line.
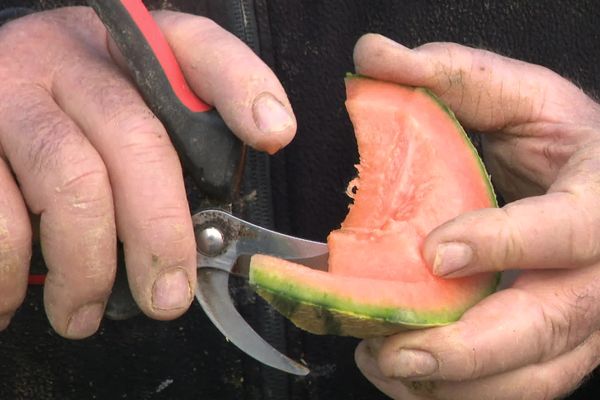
x=163, y=52
x=209, y=151
x=37, y=279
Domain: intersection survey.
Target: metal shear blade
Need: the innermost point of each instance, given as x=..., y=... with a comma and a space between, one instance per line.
x=213, y=156
x=224, y=244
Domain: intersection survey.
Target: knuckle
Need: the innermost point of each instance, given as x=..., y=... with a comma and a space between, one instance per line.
x=168, y=240
x=442, y=50
x=51, y=135
x=91, y=278
x=579, y=185
x=99, y=278
x=132, y=120
x=570, y=319
x=450, y=83
x=85, y=190
x=580, y=171
x=583, y=305
x=473, y=368
x=22, y=35
x=582, y=233
x=460, y=359
x=145, y=140
x=28, y=43
x=366, y=43
x=33, y=24
x=581, y=311
x=558, y=329
x=512, y=248
x=57, y=20
x=181, y=27
x=175, y=232
x=117, y=98
x=143, y=153
x=554, y=155
x=450, y=73
x=199, y=27
x=224, y=48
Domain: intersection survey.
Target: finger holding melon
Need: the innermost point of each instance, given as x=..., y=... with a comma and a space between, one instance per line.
x=417, y=170
x=539, y=338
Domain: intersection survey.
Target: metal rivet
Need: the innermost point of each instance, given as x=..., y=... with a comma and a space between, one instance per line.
x=210, y=241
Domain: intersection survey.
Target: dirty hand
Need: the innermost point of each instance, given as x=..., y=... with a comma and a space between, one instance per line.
x=541, y=136
x=80, y=150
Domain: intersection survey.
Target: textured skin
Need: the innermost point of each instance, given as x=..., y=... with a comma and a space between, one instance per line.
x=311, y=52
x=310, y=49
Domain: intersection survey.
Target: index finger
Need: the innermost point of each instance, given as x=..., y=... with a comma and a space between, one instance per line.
x=225, y=72
x=556, y=230
x=488, y=92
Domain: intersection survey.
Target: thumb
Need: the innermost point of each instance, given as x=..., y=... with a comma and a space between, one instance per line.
x=556, y=230
x=226, y=73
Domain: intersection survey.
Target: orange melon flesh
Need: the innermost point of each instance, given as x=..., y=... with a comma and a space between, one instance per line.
x=417, y=170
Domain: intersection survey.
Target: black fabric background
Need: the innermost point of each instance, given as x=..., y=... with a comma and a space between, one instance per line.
x=311, y=47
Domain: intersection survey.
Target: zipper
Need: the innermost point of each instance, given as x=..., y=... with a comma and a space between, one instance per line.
x=256, y=206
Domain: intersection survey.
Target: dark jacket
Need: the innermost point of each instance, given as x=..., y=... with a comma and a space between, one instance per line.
x=301, y=190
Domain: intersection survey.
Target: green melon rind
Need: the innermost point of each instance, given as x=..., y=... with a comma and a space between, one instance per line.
x=326, y=314
x=321, y=313
x=468, y=142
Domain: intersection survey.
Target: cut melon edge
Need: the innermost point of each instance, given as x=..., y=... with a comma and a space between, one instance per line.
x=319, y=312
x=315, y=310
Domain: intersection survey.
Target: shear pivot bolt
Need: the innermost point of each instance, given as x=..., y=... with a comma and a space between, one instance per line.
x=210, y=241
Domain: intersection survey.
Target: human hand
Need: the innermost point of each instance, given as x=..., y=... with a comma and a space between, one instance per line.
x=539, y=338
x=79, y=148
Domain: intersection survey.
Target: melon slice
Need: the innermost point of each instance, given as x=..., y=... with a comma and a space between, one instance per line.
x=417, y=170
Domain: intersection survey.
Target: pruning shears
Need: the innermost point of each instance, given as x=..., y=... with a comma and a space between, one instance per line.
x=213, y=157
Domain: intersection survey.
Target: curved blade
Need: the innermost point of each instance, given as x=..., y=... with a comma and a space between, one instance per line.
x=213, y=295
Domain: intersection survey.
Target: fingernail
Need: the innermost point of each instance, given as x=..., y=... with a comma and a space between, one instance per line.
x=451, y=257
x=171, y=290
x=413, y=364
x=85, y=321
x=270, y=115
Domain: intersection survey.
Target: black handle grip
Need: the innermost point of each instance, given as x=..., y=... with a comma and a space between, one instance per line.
x=209, y=151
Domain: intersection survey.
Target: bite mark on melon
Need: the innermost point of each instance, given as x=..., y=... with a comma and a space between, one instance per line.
x=417, y=170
